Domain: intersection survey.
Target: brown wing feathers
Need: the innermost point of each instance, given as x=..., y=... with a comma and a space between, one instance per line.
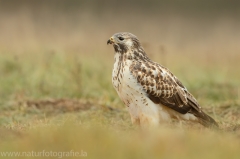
x=166, y=89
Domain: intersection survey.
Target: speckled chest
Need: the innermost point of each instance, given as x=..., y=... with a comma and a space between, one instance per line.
x=126, y=85
x=129, y=89
x=120, y=69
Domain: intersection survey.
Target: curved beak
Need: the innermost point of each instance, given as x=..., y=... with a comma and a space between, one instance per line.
x=110, y=41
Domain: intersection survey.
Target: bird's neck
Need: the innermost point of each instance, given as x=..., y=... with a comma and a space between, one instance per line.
x=136, y=54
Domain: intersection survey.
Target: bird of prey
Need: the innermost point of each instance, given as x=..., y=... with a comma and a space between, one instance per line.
x=150, y=91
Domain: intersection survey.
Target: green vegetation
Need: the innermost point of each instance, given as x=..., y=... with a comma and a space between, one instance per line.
x=55, y=77
x=56, y=101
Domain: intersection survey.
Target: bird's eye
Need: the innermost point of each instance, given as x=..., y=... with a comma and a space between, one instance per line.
x=121, y=38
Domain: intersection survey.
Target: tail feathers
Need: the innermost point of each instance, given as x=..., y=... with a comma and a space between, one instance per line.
x=205, y=119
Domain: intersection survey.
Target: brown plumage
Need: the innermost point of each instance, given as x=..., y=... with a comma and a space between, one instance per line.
x=151, y=92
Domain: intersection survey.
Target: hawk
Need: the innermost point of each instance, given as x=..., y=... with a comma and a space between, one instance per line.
x=150, y=91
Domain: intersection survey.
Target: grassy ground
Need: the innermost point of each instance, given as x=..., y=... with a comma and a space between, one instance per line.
x=64, y=102
x=56, y=94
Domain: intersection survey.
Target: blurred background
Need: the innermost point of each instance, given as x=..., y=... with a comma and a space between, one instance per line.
x=58, y=45
x=201, y=26
x=55, y=68
x=197, y=40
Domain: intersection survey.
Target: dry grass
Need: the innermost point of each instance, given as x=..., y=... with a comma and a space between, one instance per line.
x=46, y=111
x=62, y=102
x=56, y=92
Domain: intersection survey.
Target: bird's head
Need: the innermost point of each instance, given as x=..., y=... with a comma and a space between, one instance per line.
x=122, y=42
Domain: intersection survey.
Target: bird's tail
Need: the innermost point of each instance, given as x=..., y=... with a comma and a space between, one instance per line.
x=205, y=119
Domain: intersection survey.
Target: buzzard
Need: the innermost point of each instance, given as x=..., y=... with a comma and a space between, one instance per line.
x=150, y=91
